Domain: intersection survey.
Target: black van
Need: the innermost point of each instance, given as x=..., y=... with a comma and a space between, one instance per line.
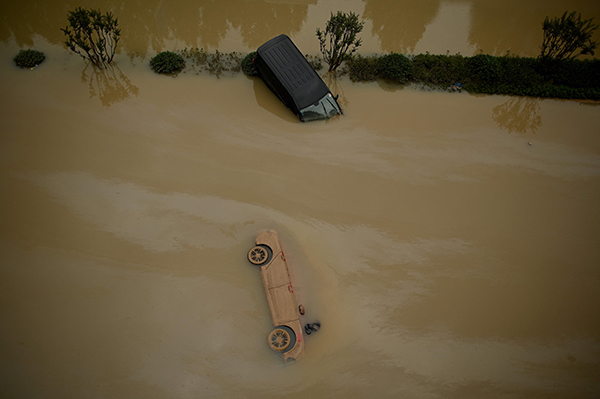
x=289, y=75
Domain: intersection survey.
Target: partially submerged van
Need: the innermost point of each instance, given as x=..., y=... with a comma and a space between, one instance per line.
x=288, y=74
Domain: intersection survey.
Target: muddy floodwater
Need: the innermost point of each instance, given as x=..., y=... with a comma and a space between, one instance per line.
x=448, y=243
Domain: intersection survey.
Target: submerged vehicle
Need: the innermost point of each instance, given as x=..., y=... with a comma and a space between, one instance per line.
x=287, y=336
x=288, y=74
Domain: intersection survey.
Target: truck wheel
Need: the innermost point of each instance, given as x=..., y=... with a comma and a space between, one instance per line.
x=259, y=255
x=282, y=339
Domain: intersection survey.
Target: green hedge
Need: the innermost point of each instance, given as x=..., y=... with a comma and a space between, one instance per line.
x=486, y=74
x=439, y=70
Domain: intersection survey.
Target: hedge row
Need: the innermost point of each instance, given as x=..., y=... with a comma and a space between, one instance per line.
x=486, y=74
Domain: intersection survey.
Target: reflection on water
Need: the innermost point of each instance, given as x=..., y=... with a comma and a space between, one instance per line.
x=110, y=84
x=154, y=24
x=515, y=25
x=449, y=31
x=400, y=26
x=407, y=26
x=257, y=21
x=333, y=81
x=519, y=114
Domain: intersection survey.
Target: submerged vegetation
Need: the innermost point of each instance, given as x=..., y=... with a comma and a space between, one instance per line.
x=167, y=62
x=485, y=74
x=396, y=67
x=92, y=35
x=554, y=73
x=216, y=63
x=29, y=58
x=229, y=64
x=482, y=73
x=564, y=39
x=248, y=64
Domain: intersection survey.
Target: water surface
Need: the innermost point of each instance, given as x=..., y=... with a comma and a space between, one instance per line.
x=448, y=243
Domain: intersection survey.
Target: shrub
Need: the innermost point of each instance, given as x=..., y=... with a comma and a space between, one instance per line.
x=167, y=62
x=396, y=67
x=29, y=58
x=92, y=35
x=339, y=41
x=439, y=70
x=484, y=68
x=363, y=69
x=576, y=73
x=521, y=71
x=485, y=74
x=566, y=35
x=248, y=64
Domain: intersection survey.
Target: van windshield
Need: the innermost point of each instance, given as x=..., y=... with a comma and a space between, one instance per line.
x=325, y=108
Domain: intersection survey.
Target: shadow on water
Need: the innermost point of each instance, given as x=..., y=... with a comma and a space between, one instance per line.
x=333, y=82
x=257, y=23
x=497, y=26
x=110, y=84
x=154, y=25
x=400, y=28
x=151, y=24
x=519, y=115
x=267, y=100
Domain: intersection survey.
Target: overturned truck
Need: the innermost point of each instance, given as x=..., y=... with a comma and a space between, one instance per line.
x=288, y=74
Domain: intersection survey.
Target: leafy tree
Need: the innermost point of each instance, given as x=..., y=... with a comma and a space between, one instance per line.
x=339, y=41
x=567, y=37
x=92, y=35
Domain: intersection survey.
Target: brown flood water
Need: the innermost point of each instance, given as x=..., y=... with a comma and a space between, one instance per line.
x=448, y=243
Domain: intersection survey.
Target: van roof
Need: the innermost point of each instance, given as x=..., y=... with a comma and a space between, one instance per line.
x=292, y=69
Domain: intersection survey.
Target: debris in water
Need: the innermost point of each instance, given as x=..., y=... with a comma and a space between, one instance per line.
x=457, y=86
x=312, y=327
